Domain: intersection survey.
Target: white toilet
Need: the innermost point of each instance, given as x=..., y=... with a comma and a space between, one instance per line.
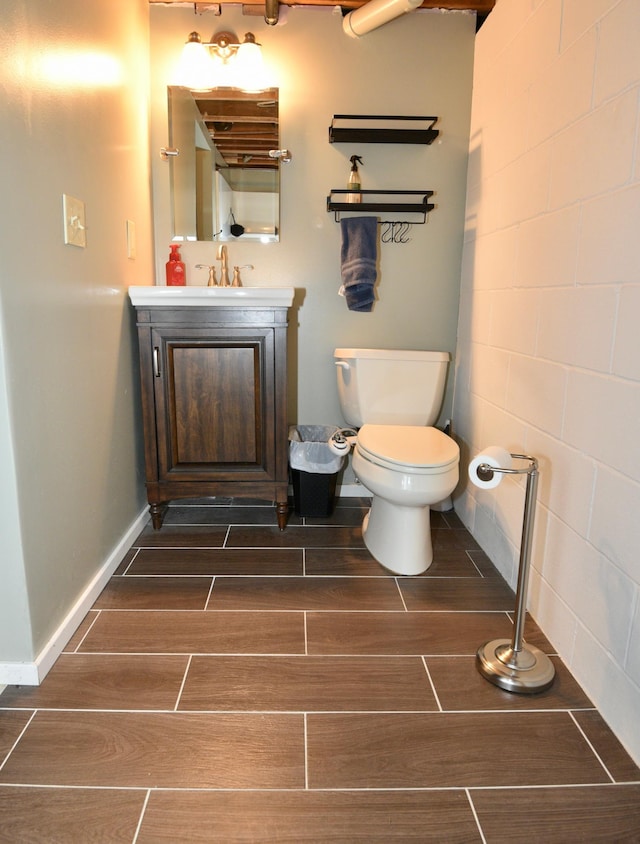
x=393, y=398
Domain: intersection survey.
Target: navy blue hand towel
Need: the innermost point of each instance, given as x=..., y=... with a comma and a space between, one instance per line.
x=358, y=261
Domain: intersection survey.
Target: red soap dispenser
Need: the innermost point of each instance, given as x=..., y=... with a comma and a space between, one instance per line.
x=176, y=276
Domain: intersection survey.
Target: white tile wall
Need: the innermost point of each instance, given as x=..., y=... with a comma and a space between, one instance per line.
x=590, y=585
x=497, y=253
x=548, y=248
x=609, y=247
x=595, y=154
x=537, y=393
x=549, y=339
x=633, y=658
x=514, y=320
x=557, y=97
x=626, y=352
x=615, y=526
x=534, y=46
x=602, y=420
x=577, y=325
x=580, y=16
x=553, y=614
x=618, y=39
x=524, y=186
x=567, y=479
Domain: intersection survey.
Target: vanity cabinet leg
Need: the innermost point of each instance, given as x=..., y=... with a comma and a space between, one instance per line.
x=282, y=509
x=157, y=512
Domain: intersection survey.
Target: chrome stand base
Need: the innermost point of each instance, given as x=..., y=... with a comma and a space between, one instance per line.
x=526, y=671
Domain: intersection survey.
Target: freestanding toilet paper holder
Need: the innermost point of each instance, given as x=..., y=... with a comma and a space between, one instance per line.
x=512, y=664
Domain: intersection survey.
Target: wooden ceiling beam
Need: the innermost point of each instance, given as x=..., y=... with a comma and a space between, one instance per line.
x=480, y=6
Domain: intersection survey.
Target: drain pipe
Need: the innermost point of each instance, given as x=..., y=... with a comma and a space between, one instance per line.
x=376, y=13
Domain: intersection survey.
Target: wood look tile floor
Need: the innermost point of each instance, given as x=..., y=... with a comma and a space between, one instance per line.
x=234, y=683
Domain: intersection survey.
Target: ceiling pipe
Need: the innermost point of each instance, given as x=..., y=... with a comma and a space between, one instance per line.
x=271, y=12
x=376, y=13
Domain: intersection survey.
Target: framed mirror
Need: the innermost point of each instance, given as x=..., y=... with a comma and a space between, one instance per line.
x=224, y=184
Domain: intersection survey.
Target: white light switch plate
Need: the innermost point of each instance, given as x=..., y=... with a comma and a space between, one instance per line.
x=74, y=221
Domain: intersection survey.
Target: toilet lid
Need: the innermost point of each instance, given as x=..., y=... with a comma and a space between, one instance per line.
x=407, y=445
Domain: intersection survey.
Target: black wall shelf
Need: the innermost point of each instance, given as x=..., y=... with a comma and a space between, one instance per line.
x=386, y=204
x=400, y=129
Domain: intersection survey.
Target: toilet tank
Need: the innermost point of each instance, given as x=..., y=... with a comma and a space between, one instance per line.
x=390, y=387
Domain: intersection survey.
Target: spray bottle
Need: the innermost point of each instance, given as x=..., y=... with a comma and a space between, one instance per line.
x=354, y=179
x=176, y=276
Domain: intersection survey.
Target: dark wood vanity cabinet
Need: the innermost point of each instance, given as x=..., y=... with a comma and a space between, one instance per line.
x=214, y=404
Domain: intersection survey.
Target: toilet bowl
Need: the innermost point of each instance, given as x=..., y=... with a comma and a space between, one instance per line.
x=392, y=398
x=407, y=469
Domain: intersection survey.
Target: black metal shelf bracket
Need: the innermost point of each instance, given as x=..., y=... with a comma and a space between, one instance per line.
x=367, y=203
x=399, y=129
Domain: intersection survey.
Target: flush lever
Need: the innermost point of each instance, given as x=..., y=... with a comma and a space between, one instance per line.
x=342, y=364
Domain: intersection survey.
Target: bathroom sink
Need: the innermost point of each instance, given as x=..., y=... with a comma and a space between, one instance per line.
x=193, y=297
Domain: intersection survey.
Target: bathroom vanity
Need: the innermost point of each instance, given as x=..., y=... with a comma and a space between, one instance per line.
x=213, y=370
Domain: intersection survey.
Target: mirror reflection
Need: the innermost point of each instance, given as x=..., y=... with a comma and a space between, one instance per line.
x=224, y=183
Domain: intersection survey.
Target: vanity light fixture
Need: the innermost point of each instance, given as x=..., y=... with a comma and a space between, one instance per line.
x=222, y=62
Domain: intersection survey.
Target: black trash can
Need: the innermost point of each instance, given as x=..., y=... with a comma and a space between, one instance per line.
x=314, y=469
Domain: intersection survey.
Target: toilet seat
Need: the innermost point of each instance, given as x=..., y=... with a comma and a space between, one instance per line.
x=408, y=448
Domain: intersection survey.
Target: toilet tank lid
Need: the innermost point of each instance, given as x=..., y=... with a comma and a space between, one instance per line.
x=392, y=354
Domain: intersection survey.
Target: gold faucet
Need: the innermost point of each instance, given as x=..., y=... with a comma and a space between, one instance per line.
x=224, y=272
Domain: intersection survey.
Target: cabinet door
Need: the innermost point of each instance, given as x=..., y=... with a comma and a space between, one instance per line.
x=214, y=395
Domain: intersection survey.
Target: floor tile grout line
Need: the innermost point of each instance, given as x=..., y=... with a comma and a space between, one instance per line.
x=131, y=561
x=432, y=684
x=285, y=655
x=182, y=684
x=208, y=598
x=475, y=815
x=558, y=785
x=167, y=789
x=55, y=786
x=142, y=814
x=258, y=575
x=319, y=610
x=428, y=713
x=328, y=655
x=404, y=603
x=588, y=740
x=473, y=563
x=306, y=752
x=225, y=547
x=17, y=741
x=89, y=629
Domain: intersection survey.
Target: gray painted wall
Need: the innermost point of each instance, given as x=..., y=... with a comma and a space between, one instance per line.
x=74, y=117
x=418, y=64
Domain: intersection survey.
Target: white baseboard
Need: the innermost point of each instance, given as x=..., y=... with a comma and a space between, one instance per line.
x=32, y=673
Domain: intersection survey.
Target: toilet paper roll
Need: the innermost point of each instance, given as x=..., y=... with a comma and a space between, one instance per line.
x=494, y=455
